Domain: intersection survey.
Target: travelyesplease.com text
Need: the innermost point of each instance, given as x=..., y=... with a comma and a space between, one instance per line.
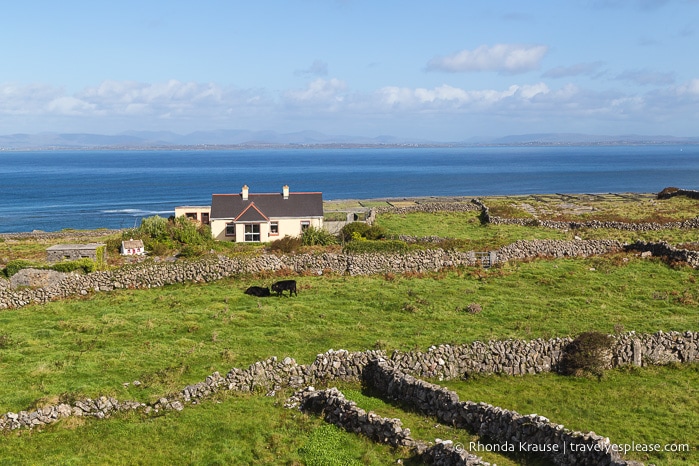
x=621, y=448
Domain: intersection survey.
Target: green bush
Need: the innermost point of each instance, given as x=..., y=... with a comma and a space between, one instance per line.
x=588, y=354
x=382, y=246
x=348, y=231
x=154, y=227
x=84, y=265
x=16, y=265
x=184, y=231
x=287, y=244
x=317, y=237
x=375, y=232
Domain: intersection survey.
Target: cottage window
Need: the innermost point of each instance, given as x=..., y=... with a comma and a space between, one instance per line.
x=274, y=228
x=305, y=224
x=252, y=232
x=230, y=229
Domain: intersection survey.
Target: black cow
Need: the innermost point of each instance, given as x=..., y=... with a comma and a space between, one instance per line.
x=284, y=285
x=258, y=291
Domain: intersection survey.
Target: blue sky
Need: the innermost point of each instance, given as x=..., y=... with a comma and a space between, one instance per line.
x=440, y=70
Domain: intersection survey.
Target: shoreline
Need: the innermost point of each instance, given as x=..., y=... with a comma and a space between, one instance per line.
x=361, y=205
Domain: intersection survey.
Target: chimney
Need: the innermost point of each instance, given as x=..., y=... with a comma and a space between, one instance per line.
x=244, y=192
x=285, y=191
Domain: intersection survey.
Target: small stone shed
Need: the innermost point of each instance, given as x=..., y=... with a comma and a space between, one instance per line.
x=60, y=252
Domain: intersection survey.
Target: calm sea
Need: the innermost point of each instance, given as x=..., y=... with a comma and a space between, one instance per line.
x=53, y=190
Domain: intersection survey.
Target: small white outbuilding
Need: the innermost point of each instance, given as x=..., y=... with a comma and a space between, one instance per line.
x=132, y=247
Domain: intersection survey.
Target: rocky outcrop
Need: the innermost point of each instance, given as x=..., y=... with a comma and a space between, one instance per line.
x=667, y=193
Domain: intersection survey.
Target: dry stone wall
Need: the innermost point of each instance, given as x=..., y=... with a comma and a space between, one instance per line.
x=666, y=251
x=530, y=433
x=337, y=410
x=669, y=192
x=395, y=376
x=431, y=207
x=157, y=274
x=46, y=235
x=554, y=248
x=690, y=224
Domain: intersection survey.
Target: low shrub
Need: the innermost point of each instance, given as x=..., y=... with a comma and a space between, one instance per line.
x=348, y=231
x=155, y=227
x=84, y=265
x=317, y=237
x=375, y=232
x=15, y=266
x=185, y=231
x=588, y=354
x=286, y=245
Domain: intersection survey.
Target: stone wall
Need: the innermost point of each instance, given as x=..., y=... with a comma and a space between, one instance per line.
x=691, y=224
x=666, y=251
x=670, y=192
x=39, y=235
x=432, y=207
x=337, y=410
x=156, y=274
x=530, y=433
x=442, y=362
x=554, y=248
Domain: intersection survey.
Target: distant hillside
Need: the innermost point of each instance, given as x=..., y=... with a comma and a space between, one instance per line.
x=165, y=139
x=576, y=138
x=150, y=139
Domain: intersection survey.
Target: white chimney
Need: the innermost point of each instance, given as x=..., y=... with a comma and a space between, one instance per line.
x=244, y=192
x=285, y=191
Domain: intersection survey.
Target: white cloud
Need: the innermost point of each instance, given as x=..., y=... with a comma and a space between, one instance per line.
x=329, y=105
x=27, y=99
x=451, y=97
x=503, y=58
x=71, y=106
x=321, y=92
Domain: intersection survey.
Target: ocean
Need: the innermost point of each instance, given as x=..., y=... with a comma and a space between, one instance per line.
x=55, y=190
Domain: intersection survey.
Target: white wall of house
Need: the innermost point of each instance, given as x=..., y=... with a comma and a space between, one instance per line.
x=198, y=213
x=286, y=227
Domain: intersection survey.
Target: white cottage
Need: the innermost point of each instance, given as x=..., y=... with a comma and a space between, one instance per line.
x=132, y=247
x=246, y=217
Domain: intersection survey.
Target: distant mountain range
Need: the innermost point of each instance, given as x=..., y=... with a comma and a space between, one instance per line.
x=244, y=138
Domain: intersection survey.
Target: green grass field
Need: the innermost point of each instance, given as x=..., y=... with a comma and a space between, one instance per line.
x=170, y=337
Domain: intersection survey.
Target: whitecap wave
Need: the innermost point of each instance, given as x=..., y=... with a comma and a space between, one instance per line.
x=138, y=212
